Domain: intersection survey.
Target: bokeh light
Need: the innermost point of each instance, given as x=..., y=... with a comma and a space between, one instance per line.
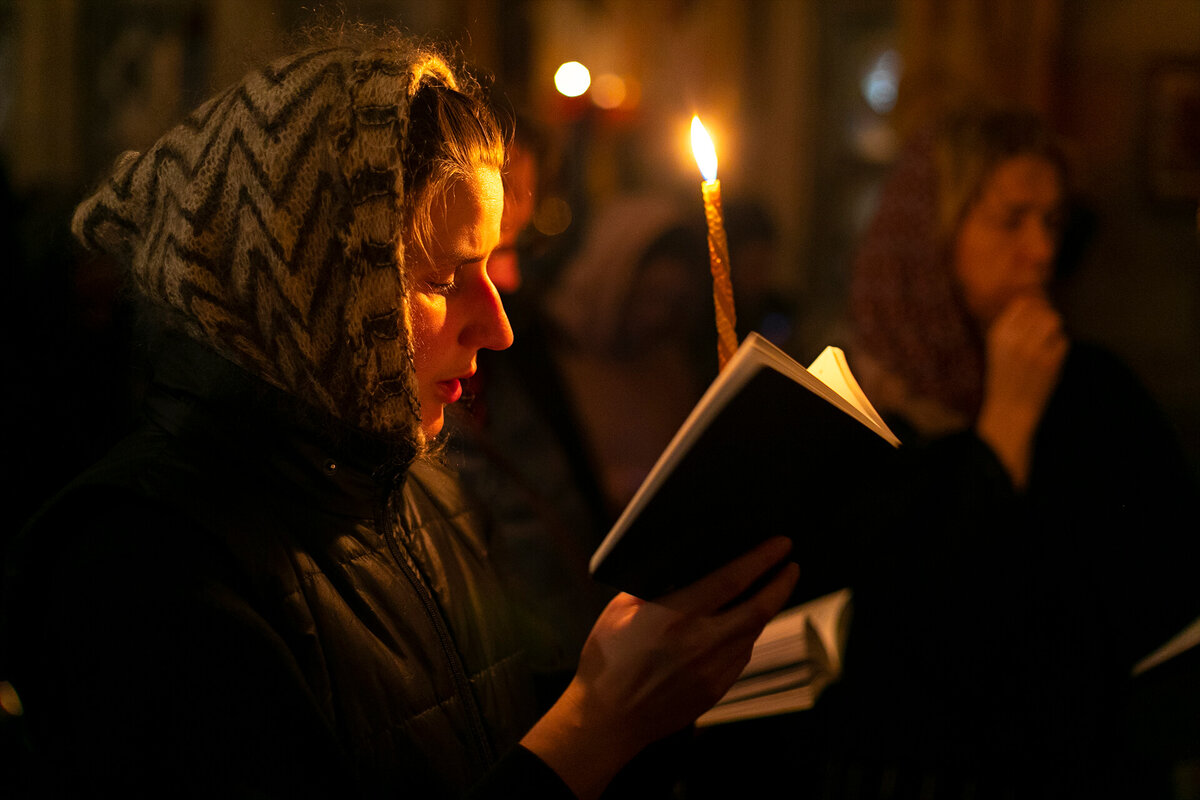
x=608, y=91
x=881, y=84
x=553, y=216
x=572, y=79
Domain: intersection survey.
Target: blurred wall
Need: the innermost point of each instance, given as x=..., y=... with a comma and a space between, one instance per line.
x=1138, y=288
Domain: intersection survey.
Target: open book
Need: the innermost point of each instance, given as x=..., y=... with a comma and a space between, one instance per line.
x=1186, y=639
x=770, y=448
x=797, y=655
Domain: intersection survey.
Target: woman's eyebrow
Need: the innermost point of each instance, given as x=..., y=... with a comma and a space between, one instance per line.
x=467, y=255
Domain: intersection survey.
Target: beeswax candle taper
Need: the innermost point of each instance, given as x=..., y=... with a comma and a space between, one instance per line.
x=718, y=247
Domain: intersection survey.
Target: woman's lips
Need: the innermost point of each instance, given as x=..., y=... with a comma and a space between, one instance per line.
x=450, y=391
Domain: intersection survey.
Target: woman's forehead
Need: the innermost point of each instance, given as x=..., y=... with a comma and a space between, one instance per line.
x=1026, y=177
x=466, y=221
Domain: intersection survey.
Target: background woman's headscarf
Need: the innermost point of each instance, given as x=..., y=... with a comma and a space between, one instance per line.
x=906, y=307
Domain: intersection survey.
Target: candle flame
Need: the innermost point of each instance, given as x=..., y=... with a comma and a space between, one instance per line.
x=703, y=150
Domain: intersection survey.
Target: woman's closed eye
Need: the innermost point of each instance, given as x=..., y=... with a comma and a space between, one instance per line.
x=440, y=287
x=441, y=281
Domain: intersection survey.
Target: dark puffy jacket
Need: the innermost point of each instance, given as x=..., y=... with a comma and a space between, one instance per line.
x=231, y=606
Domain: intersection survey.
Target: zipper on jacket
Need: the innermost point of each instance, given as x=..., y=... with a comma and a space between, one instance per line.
x=457, y=670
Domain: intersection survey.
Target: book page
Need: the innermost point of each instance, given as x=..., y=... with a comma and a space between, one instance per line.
x=833, y=380
x=830, y=618
x=813, y=631
x=1187, y=638
x=796, y=656
x=798, y=698
x=801, y=674
x=832, y=369
x=786, y=640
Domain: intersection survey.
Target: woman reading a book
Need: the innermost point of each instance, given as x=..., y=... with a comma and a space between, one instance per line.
x=271, y=589
x=993, y=643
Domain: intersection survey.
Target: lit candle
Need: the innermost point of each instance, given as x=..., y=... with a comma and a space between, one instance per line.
x=718, y=248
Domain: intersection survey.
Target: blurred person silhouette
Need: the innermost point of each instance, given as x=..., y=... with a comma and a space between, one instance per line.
x=273, y=588
x=634, y=334
x=753, y=253
x=1049, y=511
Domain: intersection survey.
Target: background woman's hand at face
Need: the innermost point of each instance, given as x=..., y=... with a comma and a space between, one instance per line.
x=1025, y=348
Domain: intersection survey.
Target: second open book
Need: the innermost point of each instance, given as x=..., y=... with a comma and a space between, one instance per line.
x=797, y=655
x=771, y=448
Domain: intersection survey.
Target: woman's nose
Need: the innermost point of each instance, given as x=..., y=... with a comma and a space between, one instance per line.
x=1041, y=244
x=487, y=326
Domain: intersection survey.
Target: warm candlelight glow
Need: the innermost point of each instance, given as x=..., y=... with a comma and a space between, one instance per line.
x=718, y=248
x=704, y=151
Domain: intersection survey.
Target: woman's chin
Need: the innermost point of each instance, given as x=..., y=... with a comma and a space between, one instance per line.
x=432, y=427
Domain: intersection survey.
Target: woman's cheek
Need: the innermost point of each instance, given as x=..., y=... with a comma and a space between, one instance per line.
x=419, y=325
x=426, y=315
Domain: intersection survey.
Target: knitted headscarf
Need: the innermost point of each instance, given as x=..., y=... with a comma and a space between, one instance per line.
x=907, y=307
x=268, y=223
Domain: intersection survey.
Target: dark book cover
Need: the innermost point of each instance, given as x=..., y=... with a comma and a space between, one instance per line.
x=777, y=459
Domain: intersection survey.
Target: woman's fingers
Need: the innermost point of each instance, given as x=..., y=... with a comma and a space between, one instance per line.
x=1026, y=346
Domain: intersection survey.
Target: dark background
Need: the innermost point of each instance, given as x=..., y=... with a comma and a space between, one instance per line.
x=782, y=85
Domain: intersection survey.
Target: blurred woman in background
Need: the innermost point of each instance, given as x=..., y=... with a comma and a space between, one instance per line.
x=993, y=642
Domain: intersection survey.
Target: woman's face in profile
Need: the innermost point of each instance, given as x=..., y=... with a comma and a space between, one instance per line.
x=1008, y=240
x=453, y=306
